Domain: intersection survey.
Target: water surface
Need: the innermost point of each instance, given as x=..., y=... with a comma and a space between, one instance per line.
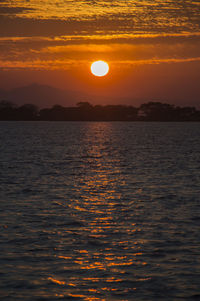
x=99, y=211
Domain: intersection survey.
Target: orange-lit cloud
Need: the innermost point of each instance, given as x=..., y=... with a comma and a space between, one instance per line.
x=52, y=32
x=49, y=54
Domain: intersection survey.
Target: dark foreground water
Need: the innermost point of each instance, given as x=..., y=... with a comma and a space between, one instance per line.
x=99, y=211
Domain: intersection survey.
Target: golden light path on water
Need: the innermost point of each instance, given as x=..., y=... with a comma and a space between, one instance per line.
x=110, y=245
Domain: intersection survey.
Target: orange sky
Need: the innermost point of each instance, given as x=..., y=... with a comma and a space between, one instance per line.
x=152, y=47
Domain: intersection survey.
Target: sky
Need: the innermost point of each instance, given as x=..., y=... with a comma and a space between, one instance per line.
x=152, y=47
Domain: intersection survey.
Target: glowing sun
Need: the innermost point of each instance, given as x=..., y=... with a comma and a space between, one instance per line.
x=99, y=68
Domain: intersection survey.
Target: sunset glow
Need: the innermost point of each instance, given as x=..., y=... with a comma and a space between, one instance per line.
x=153, y=47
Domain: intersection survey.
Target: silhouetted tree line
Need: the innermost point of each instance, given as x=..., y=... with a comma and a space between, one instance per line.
x=84, y=111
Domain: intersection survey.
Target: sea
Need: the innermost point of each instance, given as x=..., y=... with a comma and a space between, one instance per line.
x=99, y=211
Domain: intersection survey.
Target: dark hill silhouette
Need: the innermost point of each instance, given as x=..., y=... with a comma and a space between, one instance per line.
x=45, y=96
x=41, y=96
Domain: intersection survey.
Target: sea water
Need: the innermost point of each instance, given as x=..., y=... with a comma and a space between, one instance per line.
x=99, y=211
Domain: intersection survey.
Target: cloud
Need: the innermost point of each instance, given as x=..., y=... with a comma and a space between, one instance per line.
x=53, y=18
x=56, y=34
x=114, y=48
x=71, y=62
x=6, y=10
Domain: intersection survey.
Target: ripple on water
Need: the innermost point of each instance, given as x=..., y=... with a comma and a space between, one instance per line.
x=100, y=211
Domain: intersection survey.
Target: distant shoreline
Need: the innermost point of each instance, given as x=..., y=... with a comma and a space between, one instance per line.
x=84, y=111
x=127, y=121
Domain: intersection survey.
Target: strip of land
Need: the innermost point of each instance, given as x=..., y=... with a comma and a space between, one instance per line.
x=84, y=111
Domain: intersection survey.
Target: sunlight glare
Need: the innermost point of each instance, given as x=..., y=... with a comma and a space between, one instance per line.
x=99, y=68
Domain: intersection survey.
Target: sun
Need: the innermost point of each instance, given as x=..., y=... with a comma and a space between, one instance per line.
x=99, y=68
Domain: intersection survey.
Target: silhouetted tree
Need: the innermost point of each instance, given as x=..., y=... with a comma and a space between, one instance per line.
x=84, y=105
x=84, y=110
x=7, y=110
x=186, y=114
x=27, y=112
x=156, y=111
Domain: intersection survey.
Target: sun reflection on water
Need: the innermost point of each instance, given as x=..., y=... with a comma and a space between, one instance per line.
x=105, y=244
